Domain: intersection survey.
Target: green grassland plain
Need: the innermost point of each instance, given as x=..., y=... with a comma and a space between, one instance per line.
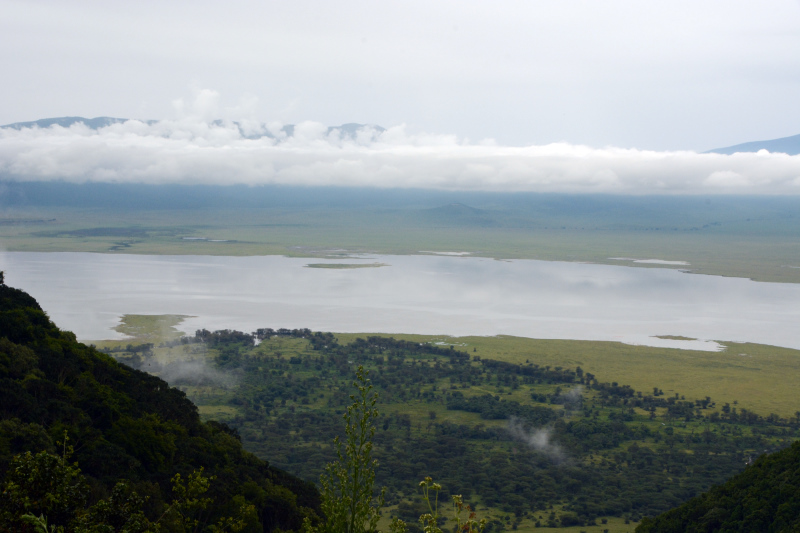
x=764, y=247
x=759, y=377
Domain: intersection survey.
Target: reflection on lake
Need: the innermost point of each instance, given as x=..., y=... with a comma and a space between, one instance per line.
x=87, y=293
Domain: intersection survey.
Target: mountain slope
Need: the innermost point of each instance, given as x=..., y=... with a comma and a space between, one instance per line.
x=765, y=497
x=123, y=423
x=455, y=215
x=66, y=122
x=350, y=130
x=786, y=145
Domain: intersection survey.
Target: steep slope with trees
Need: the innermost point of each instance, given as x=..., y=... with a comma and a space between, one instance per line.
x=124, y=424
x=765, y=497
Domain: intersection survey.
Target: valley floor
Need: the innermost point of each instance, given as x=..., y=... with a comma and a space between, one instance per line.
x=559, y=433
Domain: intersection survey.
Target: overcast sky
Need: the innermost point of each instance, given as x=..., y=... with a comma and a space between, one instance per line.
x=659, y=75
x=587, y=96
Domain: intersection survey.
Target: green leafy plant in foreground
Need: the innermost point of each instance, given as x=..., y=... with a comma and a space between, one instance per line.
x=348, y=501
x=430, y=520
x=48, y=494
x=43, y=490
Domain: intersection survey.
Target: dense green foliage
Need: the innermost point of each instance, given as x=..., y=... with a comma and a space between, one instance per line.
x=47, y=493
x=124, y=424
x=765, y=497
x=523, y=440
x=348, y=482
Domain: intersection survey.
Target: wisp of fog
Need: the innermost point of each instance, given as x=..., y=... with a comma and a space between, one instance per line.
x=538, y=439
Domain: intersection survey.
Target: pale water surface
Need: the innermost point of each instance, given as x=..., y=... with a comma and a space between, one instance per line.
x=431, y=294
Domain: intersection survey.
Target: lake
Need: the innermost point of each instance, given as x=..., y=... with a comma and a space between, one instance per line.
x=429, y=294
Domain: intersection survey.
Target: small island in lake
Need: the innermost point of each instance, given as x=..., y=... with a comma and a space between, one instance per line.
x=346, y=265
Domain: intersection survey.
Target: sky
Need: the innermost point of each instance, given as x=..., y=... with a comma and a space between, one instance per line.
x=614, y=96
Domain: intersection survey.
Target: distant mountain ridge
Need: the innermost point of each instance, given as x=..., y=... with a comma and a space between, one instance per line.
x=66, y=122
x=456, y=214
x=786, y=145
x=348, y=130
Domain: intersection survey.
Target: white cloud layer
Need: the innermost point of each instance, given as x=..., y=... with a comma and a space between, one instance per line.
x=193, y=150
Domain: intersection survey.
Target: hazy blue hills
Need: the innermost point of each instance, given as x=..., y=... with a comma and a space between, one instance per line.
x=424, y=207
x=349, y=130
x=786, y=145
x=66, y=122
x=456, y=214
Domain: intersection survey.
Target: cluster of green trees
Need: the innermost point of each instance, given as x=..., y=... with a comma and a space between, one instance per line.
x=45, y=493
x=612, y=451
x=133, y=436
x=349, y=502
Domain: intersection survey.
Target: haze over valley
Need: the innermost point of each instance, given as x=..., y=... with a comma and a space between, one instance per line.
x=544, y=256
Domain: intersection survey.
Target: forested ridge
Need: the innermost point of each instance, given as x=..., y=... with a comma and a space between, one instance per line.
x=534, y=445
x=123, y=424
x=765, y=497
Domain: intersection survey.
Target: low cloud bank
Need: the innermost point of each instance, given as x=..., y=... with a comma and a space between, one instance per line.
x=195, y=151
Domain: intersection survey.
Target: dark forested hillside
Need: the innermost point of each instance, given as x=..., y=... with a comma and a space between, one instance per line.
x=124, y=424
x=765, y=497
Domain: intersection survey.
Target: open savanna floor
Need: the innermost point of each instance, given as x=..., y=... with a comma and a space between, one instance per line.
x=765, y=252
x=757, y=377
